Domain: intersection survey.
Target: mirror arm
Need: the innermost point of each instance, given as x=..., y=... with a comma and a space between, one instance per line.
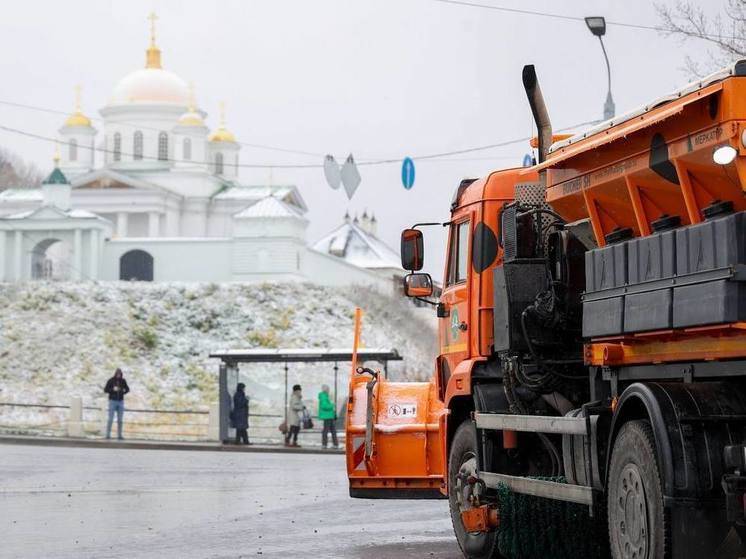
x=428, y=224
x=428, y=301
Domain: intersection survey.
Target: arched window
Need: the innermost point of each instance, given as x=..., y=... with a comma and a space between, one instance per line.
x=219, y=163
x=117, y=146
x=73, y=145
x=162, y=146
x=187, y=149
x=137, y=146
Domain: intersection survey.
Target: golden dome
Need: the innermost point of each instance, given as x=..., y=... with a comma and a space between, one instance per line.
x=222, y=134
x=77, y=119
x=192, y=116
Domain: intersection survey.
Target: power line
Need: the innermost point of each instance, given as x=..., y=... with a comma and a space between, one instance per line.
x=397, y=160
x=145, y=127
x=570, y=18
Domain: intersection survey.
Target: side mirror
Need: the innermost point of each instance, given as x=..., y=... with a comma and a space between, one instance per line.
x=418, y=285
x=411, y=250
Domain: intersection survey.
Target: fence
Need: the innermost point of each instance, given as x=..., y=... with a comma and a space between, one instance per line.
x=77, y=420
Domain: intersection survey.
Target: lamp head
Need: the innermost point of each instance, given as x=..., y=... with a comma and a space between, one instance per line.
x=597, y=25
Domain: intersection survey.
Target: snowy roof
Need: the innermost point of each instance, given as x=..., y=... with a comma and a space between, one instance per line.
x=83, y=214
x=287, y=355
x=71, y=214
x=114, y=179
x=269, y=207
x=736, y=68
x=22, y=194
x=249, y=193
x=359, y=247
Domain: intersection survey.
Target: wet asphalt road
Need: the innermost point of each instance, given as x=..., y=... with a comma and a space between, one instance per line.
x=109, y=503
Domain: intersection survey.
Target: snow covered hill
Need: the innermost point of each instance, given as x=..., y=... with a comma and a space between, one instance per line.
x=59, y=340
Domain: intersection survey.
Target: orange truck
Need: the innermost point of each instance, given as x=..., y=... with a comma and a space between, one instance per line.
x=591, y=379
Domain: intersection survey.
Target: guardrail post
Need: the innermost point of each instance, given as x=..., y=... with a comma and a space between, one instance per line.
x=213, y=422
x=75, y=418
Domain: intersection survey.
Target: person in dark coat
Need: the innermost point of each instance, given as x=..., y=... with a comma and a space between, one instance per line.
x=116, y=387
x=241, y=414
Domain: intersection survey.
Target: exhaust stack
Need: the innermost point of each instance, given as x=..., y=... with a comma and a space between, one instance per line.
x=539, y=110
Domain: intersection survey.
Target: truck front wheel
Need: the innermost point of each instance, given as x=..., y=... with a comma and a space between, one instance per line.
x=462, y=463
x=637, y=524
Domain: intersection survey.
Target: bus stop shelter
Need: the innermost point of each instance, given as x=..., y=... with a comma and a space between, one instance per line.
x=231, y=359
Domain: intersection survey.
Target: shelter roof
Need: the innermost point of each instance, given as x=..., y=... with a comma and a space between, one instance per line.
x=305, y=355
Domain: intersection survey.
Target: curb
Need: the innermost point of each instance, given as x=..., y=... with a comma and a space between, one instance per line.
x=157, y=445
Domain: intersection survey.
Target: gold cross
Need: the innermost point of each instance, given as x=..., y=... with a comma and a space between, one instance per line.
x=152, y=17
x=222, y=113
x=192, y=102
x=77, y=98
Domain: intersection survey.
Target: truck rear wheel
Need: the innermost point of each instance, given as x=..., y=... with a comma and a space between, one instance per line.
x=637, y=523
x=462, y=463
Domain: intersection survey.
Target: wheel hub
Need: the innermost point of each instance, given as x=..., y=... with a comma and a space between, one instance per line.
x=632, y=520
x=465, y=494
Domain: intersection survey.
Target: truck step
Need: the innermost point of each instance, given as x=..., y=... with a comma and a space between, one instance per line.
x=540, y=488
x=532, y=423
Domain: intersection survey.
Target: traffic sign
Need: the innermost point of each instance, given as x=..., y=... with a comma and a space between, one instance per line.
x=407, y=173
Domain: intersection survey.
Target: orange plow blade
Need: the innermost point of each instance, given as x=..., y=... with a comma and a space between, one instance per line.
x=393, y=441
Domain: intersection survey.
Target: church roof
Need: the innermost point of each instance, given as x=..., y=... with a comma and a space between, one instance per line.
x=48, y=211
x=269, y=207
x=286, y=193
x=22, y=194
x=56, y=177
x=359, y=247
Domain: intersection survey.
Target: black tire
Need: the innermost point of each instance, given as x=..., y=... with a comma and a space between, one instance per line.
x=638, y=527
x=462, y=455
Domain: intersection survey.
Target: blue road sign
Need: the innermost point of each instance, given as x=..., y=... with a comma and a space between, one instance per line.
x=407, y=173
x=528, y=161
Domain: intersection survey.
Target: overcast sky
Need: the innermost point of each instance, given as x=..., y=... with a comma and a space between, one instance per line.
x=378, y=78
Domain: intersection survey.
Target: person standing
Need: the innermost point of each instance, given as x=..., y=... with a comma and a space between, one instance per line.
x=328, y=415
x=241, y=414
x=295, y=407
x=116, y=387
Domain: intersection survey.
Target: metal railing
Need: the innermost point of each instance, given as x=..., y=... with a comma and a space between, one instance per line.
x=147, y=423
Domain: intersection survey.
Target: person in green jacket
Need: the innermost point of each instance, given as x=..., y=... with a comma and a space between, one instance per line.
x=328, y=415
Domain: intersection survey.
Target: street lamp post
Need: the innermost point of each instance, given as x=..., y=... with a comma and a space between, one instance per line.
x=597, y=26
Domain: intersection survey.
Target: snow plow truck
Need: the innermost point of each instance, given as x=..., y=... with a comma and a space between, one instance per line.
x=589, y=396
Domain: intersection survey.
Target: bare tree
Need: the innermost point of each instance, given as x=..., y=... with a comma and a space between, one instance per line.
x=725, y=33
x=16, y=173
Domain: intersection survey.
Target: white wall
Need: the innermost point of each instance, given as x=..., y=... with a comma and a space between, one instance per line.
x=174, y=259
x=325, y=269
x=246, y=260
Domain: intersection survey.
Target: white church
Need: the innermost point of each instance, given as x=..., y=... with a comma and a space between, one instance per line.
x=166, y=204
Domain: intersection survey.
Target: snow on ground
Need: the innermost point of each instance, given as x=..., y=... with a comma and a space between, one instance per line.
x=59, y=340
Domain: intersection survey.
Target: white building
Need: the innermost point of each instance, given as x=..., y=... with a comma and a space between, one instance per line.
x=155, y=195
